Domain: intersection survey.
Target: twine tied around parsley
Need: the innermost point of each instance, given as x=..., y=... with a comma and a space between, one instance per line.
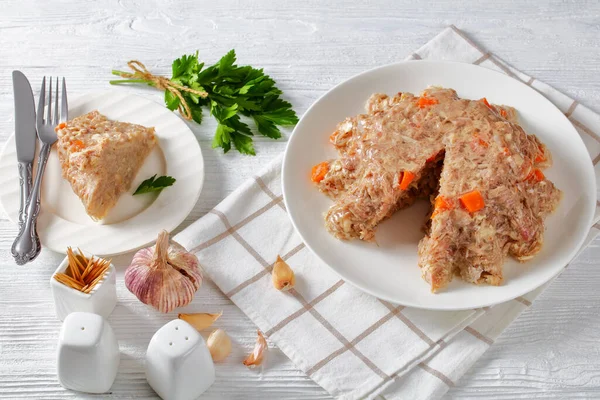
x=141, y=74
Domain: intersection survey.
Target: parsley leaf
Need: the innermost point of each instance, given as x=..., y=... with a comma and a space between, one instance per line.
x=223, y=137
x=226, y=62
x=185, y=65
x=196, y=114
x=171, y=101
x=243, y=143
x=222, y=113
x=154, y=184
x=266, y=127
x=238, y=125
x=233, y=92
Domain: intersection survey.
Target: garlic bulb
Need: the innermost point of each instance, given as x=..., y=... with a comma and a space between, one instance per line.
x=164, y=276
x=219, y=345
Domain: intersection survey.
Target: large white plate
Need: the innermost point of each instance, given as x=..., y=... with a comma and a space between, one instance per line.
x=389, y=269
x=136, y=220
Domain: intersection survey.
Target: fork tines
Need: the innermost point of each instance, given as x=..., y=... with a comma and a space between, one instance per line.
x=52, y=118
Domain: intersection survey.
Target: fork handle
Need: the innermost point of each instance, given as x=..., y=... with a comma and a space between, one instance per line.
x=27, y=245
x=25, y=186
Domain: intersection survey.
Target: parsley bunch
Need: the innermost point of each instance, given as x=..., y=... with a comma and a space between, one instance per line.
x=235, y=94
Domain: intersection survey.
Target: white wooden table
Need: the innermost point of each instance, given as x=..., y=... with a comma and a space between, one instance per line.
x=307, y=46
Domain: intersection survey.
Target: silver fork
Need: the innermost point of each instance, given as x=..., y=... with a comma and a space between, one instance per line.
x=27, y=246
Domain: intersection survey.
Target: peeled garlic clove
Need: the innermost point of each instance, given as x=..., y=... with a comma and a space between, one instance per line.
x=200, y=321
x=164, y=276
x=282, y=275
x=219, y=345
x=256, y=357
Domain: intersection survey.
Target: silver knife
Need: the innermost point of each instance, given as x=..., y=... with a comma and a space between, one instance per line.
x=25, y=134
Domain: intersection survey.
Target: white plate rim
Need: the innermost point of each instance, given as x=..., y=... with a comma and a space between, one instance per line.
x=176, y=215
x=293, y=218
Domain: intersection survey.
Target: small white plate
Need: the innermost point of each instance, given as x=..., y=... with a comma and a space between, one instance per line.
x=389, y=269
x=135, y=221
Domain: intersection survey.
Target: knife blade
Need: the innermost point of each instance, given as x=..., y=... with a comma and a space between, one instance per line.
x=25, y=134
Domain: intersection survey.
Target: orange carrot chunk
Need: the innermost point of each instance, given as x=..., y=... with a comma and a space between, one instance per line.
x=503, y=113
x=472, y=201
x=491, y=107
x=539, y=175
x=406, y=179
x=441, y=204
x=59, y=126
x=536, y=175
x=319, y=171
x=482, y=142
x=541, y=156
x=426, y=101
x=77, y=145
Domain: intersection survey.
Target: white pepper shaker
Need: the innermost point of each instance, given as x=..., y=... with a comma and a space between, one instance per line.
x=178, y=363
x=88, y=353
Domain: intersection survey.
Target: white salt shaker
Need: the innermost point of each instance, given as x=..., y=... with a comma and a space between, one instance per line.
x=178, y=363
x=88, y=353
x=101, y=299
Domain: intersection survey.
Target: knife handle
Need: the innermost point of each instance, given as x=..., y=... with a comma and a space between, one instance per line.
x=27, y=245
x=25, y=185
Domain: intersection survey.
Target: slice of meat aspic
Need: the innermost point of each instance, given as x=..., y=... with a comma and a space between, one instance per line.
x=482, y=172
x=100, y=158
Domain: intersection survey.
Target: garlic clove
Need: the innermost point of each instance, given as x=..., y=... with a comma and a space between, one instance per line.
x=219, y=345
x=282, y=276
x=257, y=356
x=164, y=276
x=200, y=321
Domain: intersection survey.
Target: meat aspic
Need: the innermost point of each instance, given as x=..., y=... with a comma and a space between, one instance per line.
x=481, y=171
x=100, y=158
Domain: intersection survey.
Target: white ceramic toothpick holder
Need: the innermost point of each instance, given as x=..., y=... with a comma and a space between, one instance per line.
x=88, y=353
x=178, y=363
x=101, y=300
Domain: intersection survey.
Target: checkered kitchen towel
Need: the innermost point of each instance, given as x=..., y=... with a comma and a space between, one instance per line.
x=350, y=343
